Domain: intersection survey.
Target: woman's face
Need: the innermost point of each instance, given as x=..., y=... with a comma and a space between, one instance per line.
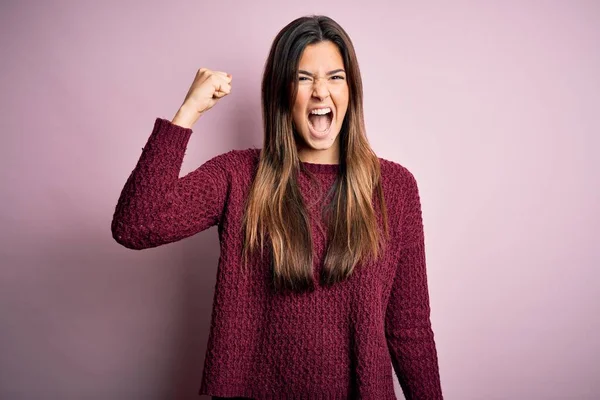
x=322, y=86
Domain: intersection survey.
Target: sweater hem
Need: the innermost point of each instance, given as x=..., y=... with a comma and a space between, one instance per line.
x=278, y=394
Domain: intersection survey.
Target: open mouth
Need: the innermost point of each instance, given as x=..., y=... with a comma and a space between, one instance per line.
x=320, y=120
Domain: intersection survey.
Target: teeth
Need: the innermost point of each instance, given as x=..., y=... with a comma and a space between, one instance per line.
x=321, y=111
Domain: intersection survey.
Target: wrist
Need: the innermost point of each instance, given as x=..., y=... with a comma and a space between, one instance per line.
x=185, y=117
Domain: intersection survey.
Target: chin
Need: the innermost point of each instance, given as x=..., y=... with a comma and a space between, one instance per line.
x=325, y=144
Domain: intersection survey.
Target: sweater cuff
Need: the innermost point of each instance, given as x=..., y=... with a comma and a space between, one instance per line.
x=176, y=135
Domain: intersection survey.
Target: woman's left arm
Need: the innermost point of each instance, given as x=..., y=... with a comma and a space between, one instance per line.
x=408, y=329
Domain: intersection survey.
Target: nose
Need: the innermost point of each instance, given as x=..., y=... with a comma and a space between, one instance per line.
x=320, y=89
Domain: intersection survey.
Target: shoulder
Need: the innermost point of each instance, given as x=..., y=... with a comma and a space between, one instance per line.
x=236, y=161
x=399, y=185
x=401, y=194
x=395, y=175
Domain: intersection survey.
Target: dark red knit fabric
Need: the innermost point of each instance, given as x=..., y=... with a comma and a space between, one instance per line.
x=342, y=342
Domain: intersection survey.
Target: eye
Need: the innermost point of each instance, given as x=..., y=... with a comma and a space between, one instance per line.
x=302, y=78
x=338, y=76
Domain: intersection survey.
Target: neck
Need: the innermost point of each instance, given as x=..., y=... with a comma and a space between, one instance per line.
x=316, y=156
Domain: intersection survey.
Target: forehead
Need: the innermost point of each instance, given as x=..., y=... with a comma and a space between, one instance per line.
x=321, y=56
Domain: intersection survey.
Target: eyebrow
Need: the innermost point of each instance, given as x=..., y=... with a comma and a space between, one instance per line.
x=335, y=71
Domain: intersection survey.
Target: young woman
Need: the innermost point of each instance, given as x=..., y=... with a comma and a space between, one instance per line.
x=321, y=284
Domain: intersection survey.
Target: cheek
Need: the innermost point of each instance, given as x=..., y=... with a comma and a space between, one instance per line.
x=298, y=115
x=301, y=99
x=300, y=107
x=341, y=98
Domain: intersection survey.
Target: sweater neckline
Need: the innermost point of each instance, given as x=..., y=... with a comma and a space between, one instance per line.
x=320, y=168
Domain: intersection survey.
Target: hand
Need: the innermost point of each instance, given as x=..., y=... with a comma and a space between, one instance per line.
x=206, y=90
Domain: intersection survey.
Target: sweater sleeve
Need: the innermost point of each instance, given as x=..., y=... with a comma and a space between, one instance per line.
x=156, y=206
x=407, y=322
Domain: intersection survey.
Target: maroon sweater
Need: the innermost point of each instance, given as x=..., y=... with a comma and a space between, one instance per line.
x=333, y=343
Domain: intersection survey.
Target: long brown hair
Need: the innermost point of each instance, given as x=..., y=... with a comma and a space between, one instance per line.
x=275, y=208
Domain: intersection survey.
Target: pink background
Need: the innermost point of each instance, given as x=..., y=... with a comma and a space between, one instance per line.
x=493, y=106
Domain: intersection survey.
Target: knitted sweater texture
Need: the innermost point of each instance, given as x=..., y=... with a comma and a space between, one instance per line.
x=339, y=342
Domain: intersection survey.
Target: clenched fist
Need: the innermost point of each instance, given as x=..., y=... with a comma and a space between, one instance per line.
x=206, y=90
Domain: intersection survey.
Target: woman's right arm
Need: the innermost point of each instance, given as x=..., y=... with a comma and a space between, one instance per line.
x=156, y=206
